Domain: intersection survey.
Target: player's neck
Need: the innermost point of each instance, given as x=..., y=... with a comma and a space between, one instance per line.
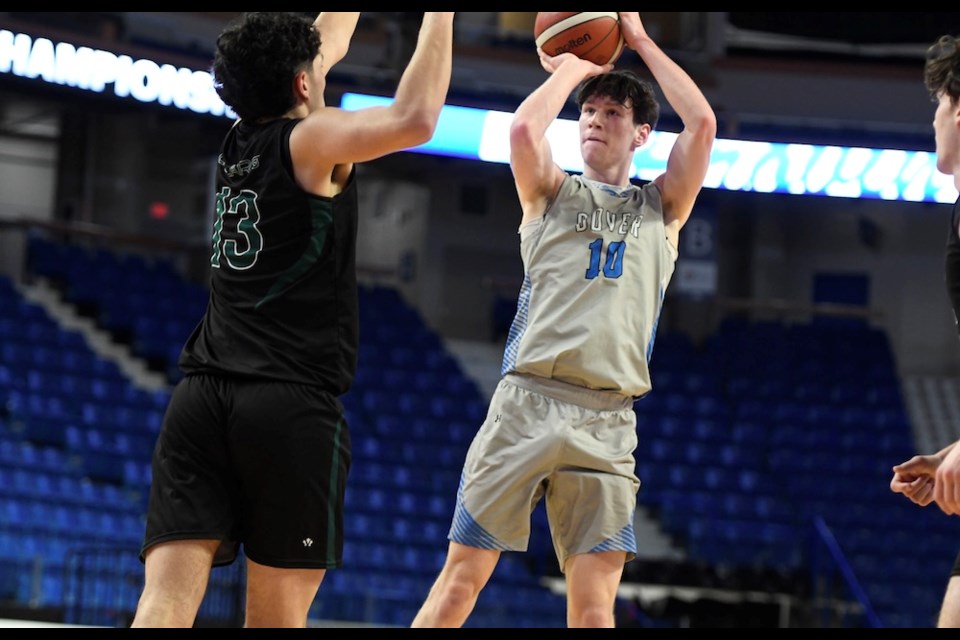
x=618, y=178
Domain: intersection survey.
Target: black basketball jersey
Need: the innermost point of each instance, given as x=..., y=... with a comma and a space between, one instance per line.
x=283, y=289
x=953, y=262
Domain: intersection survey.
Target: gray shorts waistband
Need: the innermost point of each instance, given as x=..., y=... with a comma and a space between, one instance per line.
x=566, y=392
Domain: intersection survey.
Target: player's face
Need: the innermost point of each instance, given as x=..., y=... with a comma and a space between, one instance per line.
x=607, y=133
x=946, y=128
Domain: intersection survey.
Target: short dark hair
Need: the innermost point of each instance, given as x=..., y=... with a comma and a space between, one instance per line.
x=942, y=70
x=257, y=58
x=627, y=88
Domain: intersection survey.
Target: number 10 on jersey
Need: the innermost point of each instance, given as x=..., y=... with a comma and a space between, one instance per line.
x=612, y=265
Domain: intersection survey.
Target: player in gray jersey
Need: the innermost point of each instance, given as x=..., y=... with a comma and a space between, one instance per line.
x=598, y=254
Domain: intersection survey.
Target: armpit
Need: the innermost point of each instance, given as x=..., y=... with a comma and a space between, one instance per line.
x=673, y=234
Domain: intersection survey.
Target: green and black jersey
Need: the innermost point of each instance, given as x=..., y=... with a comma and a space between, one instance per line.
x=283, y=289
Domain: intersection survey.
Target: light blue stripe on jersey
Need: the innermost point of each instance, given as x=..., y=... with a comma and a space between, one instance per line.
x=656, y=325
x=519, y=327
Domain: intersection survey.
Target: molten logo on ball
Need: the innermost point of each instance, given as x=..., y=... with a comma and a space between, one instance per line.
x=573, y=45
x=593, y=36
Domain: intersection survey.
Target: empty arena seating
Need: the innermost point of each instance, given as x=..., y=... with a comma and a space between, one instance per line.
x=784, y=424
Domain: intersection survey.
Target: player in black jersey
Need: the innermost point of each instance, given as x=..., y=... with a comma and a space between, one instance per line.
x=255, y=450
x=936, y=477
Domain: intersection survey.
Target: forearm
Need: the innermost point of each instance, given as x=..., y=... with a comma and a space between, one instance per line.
x=424, y=84
x=943, y=453
x=336, y=31
x=678, y=88
x=542, y=107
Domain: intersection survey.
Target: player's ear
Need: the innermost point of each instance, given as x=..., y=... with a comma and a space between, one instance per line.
x=301, y=86
x=642, y=135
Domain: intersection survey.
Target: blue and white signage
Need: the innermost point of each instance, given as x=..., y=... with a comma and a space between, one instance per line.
x=478, y=134
x=101, y=71
x=737, y=165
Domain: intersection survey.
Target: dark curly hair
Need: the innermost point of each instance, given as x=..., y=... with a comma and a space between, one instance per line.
x=627, y=88
x=258, y=57
x=942, y=71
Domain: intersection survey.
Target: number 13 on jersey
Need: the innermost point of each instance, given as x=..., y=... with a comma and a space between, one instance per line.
x=237, y=219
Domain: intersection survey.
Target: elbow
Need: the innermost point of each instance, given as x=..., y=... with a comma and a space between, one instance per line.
x=412, y=127
x=521, y=134
x=705, y=125
x=421, y=127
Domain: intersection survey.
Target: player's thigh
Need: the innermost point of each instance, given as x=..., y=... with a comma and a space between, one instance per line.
x=280, y=598
x=470, y=565
x=592, y=497
x=180, y=570
x=291, y=452
x=594, y=578
x=193, y=493
x=508, y=460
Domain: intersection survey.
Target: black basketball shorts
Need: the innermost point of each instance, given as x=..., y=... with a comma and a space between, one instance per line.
x=258, y=464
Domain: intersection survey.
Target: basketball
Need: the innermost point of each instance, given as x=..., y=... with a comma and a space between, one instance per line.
x=593, y=36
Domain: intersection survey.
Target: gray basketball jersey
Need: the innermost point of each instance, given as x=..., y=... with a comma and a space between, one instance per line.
x=597, y=266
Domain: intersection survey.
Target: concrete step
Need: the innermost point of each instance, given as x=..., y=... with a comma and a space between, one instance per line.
x=47, y=296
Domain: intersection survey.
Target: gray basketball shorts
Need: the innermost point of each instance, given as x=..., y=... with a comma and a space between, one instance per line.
x=573, y=446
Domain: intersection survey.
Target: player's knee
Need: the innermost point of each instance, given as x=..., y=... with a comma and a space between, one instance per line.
x=258, y=617
x=592, y=617
x=458, y=591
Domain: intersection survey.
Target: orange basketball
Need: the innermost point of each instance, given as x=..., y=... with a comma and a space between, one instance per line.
x=593, y=36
